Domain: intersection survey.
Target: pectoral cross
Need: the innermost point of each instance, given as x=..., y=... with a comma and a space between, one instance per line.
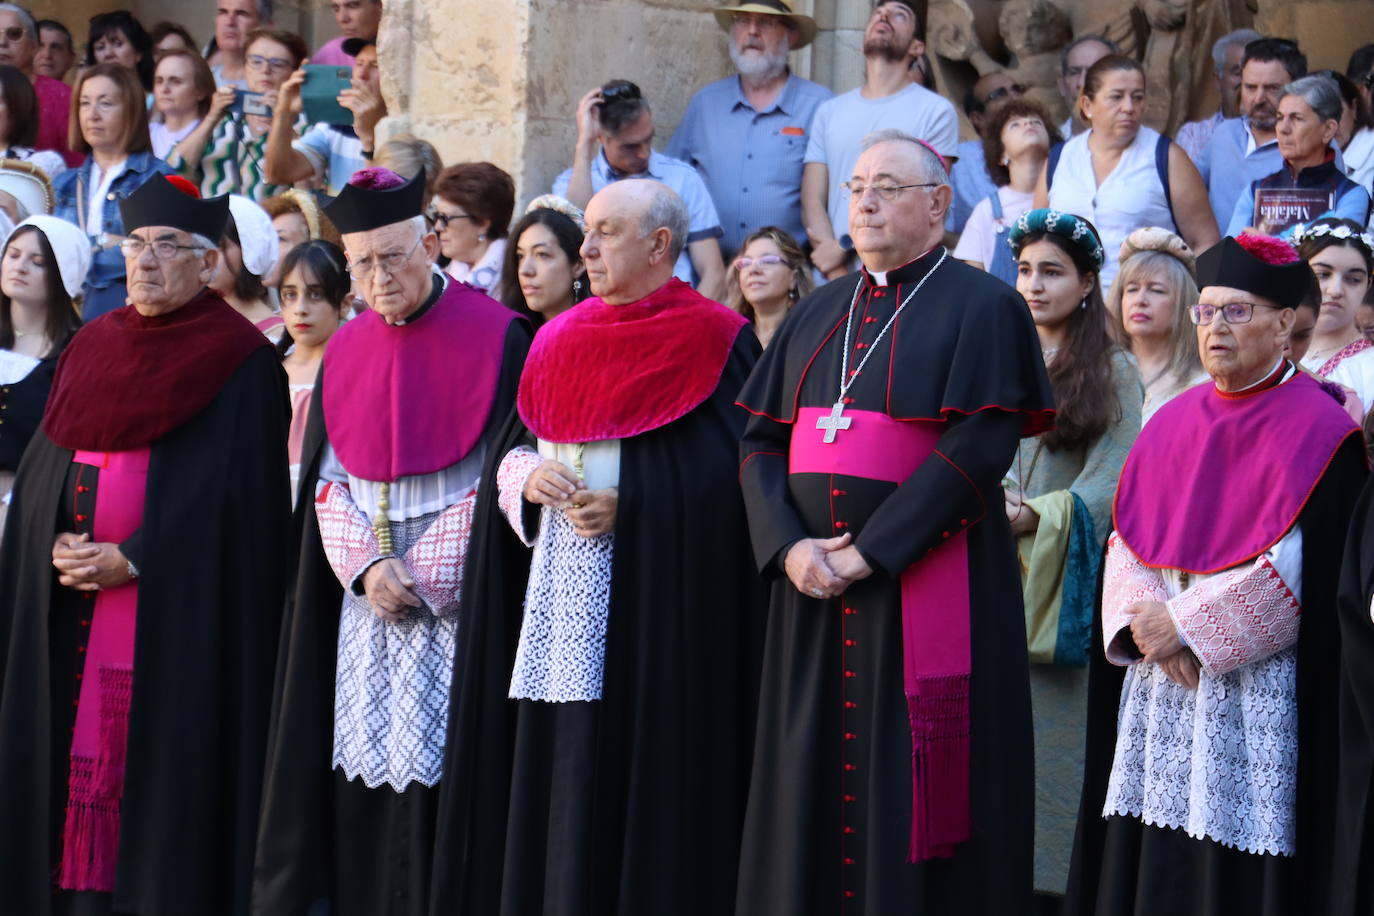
x=833, y=423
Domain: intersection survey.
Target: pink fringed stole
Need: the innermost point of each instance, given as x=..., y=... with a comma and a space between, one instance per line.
x=936, y=653
x=90, y=833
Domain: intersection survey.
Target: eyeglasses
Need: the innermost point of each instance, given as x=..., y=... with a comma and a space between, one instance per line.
x=1001, y=92
x=363, y=269
x=13, y=33
x=767, y=260
x=857, y=189
x=442, y=220
x=163, y=249
x=258, y=62
x=1233, y=312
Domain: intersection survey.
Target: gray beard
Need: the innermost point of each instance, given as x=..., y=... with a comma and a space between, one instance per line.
x=756, y=64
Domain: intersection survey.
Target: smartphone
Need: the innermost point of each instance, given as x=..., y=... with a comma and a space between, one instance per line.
x=250, y=103
x=320, y=94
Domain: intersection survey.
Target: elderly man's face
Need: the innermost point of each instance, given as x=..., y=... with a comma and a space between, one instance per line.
x=889, y=233
x=158, y=286
x=1238, y=355
x=16, y=52
x=1261, y=84
x=616, y=251
x=759, y=43
x=392, y=268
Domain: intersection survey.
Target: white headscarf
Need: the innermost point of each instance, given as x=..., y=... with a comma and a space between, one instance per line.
x=69, y=246
x=257, y=236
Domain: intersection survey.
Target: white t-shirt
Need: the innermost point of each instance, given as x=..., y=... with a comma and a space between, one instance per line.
x=982, y=234
x=164, y=139
x=841, y=123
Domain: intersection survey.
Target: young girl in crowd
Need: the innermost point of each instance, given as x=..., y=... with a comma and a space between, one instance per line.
x=314, y=287
x=1058, y=500
x=248, y=253
x=542, y=274
x=1148, y=304
x=1341, y=255
x=769, y=277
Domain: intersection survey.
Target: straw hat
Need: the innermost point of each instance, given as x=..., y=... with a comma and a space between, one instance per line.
x=806, y=26
x=28, y=184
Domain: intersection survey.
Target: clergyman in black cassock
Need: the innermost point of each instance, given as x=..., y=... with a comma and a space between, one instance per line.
x=894, y=720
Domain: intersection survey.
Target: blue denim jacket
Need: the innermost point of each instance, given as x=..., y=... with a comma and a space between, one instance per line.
x=104, y=288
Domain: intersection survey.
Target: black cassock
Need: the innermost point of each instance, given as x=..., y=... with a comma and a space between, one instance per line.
x=631, y=804
x=211, y=558
x=830, y=806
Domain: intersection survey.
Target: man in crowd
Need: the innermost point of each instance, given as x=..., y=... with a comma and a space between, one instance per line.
x=1246, y=149
x=234, y=21
x=969, y=176
x=1211, y=765
x=141, y=587
x=356, y=19
x=328, y=154
x=887, y=99
x=630, y=643
x=747, y=134
x=892, y=760
x=410, y=395
x=55, y=55
x=616, y=120
x=1074, y=61
x=18, y=47
x=1228, y=55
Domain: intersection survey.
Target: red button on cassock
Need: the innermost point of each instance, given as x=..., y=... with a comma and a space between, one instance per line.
x=849, y=674
x=850, y=736
x=850, y=643
x=850, y=768
x=850, y=704
x=848, y=798
x=848, y=861
x=842, y=524
x=850, y=610
x=849, y=831
x=85, y=623
x=849, y=894
x=81, y=518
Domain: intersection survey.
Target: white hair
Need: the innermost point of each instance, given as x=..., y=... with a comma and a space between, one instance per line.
x=201, y=241
x=30, y=28
x=932, y=166
x=666, y=210
x=1228, y=41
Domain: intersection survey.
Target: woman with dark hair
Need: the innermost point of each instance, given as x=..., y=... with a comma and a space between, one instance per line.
x=1058, y=499
x=1355, y=132
x=109, y=123
x=41, y=268
x=171, y=36
x=119, y=38
x=248, y=253
x=19, y=123
x=542, y=274
x=1017, y=143
x=1122, y=175
x=182, y=88
x=1341, y=255
x=771, y=275
x=473, y=202
x=314, y=288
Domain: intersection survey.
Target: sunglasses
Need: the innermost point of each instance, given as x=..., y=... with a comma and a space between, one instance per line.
x=1001, y=92
x=13, y=33
x=618, y=92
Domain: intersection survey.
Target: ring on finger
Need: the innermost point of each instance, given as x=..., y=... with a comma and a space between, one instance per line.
x=818, y=593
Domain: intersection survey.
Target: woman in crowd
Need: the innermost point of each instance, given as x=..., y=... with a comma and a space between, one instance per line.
x=407, y=155
x=769, y=277
x=1309, y=116
x=542, y=275
x=1017, y=145
x=110, y=125
x=297, y=219
x=41, y=268
x=170, y=36
x=19, y=123
x=1058, y=500
x=1115, y=173
x=1355, y=132
x=473, y=204
x=182, y=89
x=119, y=38
x=248, y=252
x=315, y=285
x=1341, y=255
x=224, y=154
x=1148, y=306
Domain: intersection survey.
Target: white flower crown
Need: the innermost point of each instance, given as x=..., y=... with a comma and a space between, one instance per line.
x=1342, y=232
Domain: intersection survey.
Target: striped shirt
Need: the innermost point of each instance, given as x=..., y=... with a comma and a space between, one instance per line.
x=231, y=163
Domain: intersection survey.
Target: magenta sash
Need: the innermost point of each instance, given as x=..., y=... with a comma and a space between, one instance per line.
x=936, y=655
x=90, y=835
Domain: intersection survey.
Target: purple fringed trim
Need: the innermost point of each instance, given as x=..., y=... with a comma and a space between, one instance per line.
x=90, y=833
x=376, y=178
x=116, y=695
x=1335, y=390
x=938, y=710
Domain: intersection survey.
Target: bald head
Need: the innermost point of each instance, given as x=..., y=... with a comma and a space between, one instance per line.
x=889, y=233
x=636, y=228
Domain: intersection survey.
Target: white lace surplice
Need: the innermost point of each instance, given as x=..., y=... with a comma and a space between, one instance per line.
x=1219, y=762
x=562, y=647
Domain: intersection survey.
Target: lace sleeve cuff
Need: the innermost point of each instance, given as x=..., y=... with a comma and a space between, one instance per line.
x=436, y=560
x=1125, y=582
x=1238, y=617
x=514, y=470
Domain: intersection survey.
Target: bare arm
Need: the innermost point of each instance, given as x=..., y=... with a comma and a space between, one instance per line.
x=705, y=255
x=826, y=252
x=580, y=185
x=1192, y=208
x=186, y=155
x=281, y=162
x=1042, y=188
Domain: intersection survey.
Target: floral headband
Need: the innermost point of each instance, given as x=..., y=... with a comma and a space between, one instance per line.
x=559, y=205
x=1340, y=231
x=1065, y=225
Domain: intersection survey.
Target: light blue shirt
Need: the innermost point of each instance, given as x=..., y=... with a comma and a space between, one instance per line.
x=703, y=223
x=971, y=182
x=1229, y=166
x=334, y=154
x=751, y=161
x=1353, y=204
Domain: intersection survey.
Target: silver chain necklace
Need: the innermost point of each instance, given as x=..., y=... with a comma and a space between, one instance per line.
x=835, y=421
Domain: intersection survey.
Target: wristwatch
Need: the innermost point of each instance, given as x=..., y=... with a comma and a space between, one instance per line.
x=133, y=570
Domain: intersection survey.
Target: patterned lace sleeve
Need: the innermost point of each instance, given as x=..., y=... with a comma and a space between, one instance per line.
x=1237, y=617
x=347, y=536
x=436, y=560
x=514, y=470
x=1125, y=581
